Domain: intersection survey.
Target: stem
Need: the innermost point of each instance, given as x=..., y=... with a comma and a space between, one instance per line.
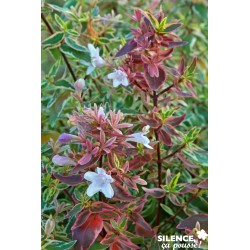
x=64, y=57
x=69, y=195
x=175, y=152
x=101, y=197
x=137, y=85
x=166, y=89
x=100, y=166
x=180, y=209
x=159, y=162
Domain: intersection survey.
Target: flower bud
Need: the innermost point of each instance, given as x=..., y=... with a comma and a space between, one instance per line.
x=65, y=138
x=79, y=85
x=62, y=161
x=49, y=227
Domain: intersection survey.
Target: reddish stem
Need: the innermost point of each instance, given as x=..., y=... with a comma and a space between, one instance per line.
x=165, y=90
x=159, y=162
x=69, y=195
x=175, y=152
x=180, y=209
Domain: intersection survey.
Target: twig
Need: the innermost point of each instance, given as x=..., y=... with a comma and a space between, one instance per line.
x=175, y=152
x=159, y=162
x=69, y=195
x=137, y=85
x=100, y=166
x=166, y=90
x=180, y=209
x=63, y=55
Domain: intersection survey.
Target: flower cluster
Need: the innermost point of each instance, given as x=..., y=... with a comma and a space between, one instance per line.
x=98, y=135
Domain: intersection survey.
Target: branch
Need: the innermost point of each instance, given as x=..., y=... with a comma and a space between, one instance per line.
x=159, y=162
x=166, y=90
x=69, y=195
x=180, y=209
x=137, y=85
x=175, y=152
x=64, y=57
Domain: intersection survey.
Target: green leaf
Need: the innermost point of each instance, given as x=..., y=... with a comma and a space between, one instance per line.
x=200, y=10
x=58, y=8
x=78, y=195
x=95, y=11
x=167, y=209
x=54, y=40
x=84, y=57
x=57, y=107
x=76, y=209
x=54, y=68
x=73, y=32
x=61, y=23
x=174, y=181
x=104, y=40
x=60, y=245
x=62, y=186
x=98, y=246
x=191, y=67
x=123, y=223
x=63, y=83
x=74, y=45
x=137, y=240
x=172, y=27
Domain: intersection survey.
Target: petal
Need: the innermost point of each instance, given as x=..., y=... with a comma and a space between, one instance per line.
x=90, y=69
x=125, y=82
x=100, y=62
x=92, y=50
x=138, y=137
x=93, y=189
x=100, y=171
x=116, y=83
x=111, y=75
x=148, y=146
x=107, y=190
x=90, y=176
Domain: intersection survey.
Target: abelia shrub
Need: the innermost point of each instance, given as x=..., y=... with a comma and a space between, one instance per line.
x=125, y=178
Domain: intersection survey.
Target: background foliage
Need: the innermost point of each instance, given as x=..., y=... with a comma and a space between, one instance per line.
x=107, y=25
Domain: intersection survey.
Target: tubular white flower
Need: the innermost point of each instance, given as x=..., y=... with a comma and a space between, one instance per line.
x=141, y=138
x=119, y=77
x=96, y=60
x=202, y=235
x=100, y=183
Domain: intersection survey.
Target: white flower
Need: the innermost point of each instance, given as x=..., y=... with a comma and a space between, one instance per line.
x=100, y=183
x=96, y=60
x=141, y=138
x=202, y=234
x=118, y=77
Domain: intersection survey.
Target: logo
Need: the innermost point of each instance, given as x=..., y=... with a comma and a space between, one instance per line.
x=177, y=241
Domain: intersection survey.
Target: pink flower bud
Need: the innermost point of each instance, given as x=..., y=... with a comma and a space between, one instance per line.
x=63, y=161
x=79, y=85
x=65, y=138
